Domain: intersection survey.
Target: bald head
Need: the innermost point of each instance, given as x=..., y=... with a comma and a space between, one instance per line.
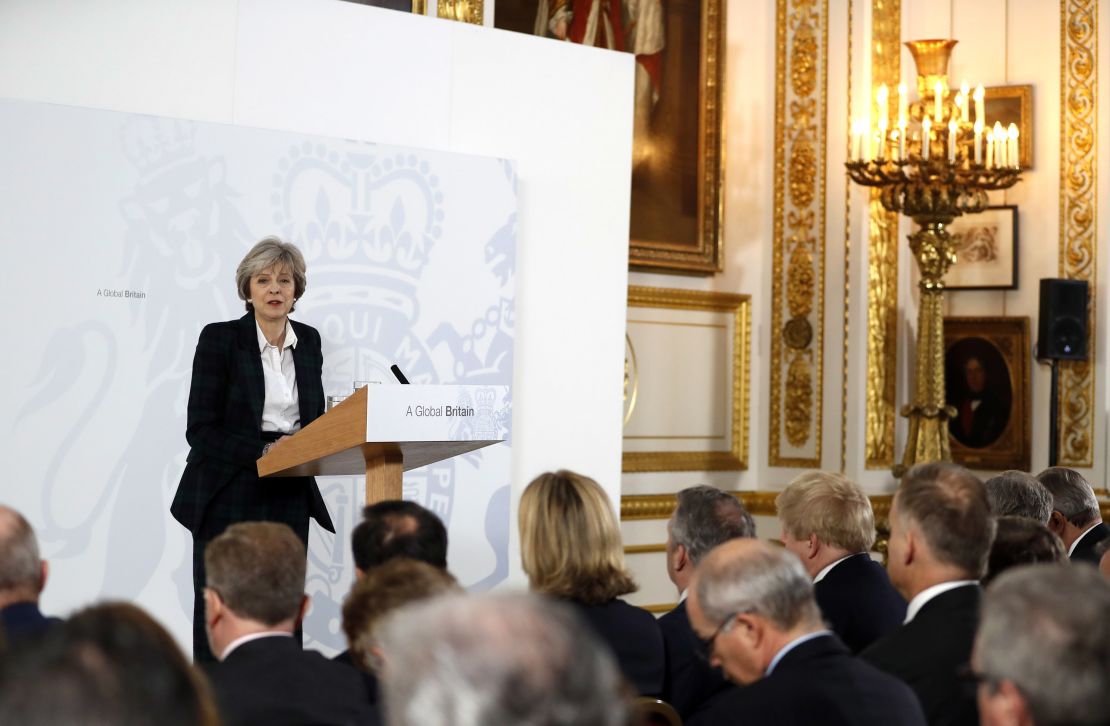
x=747, y=575
x=21, y=570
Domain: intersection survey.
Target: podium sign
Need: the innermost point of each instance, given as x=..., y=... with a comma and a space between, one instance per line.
x=434, y=413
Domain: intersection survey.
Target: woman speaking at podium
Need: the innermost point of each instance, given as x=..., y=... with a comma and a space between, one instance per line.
x=255, y=380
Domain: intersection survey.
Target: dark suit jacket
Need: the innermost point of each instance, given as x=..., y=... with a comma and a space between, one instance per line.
x=369, y=679
x=858, y=602
x=224, y=425
x=928, y=652
x=1085, y=550
x=818, y=682
x=272, y=681
x=633, y=636
x=689, y=680
x=23, y=620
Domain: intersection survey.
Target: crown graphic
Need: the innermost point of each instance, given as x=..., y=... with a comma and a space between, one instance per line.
x=152, y=143
x=365, y=217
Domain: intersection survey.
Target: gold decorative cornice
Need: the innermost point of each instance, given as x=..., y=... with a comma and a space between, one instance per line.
x=882, y=260
x=1078, y=213
x=465, y=11
x=758, y=503
x=798, y=257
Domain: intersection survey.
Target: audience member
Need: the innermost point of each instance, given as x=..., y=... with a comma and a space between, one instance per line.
x=1019, y=494
x=22, y=578
x=254, y=598
x=828, y=522
x=753, y=605
x=703, y=518
x=1021, y=541
x=570, y=546
x=383, y=589
x=109, y=664
x=497, y=660
x=1076, y=518
x=941, y=530
x=1042, y=654
x=397, y=528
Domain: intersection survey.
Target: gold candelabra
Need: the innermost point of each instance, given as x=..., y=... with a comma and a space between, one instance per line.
x=932, y=166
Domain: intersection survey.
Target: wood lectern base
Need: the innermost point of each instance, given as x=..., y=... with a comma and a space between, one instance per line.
x=383, y=476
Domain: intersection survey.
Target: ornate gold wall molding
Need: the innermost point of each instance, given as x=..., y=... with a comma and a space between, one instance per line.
x=882, y=260
x=465, y=11
x=758, y=503
x=797, y=361
x=1078, y=212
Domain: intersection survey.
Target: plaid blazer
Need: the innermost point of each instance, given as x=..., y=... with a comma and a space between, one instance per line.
x=224, y=426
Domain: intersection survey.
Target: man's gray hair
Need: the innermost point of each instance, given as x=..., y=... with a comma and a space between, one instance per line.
x=765, y=580
x=20, y=564
x=705, y=517
x=1072, y=496
x=1019, y=494
x=515, y=659
x=1045, y=628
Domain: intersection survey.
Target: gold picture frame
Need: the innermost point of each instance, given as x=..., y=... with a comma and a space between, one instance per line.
x=676, y=220
x=1012, y=104
x=986, y=362
x=713, y=329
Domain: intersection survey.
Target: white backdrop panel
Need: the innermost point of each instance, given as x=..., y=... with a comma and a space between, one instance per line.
x=124, y=232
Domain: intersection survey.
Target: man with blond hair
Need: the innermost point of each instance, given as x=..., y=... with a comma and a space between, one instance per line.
x=828, y=522
x=254, y=598
x=752, y=604
x=941, y=529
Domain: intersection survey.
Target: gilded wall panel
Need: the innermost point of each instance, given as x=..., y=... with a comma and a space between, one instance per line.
x=797, y=363
x=882, y=260
x=1078, y=209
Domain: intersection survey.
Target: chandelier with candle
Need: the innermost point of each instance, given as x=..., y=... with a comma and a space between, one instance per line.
x=932, y=162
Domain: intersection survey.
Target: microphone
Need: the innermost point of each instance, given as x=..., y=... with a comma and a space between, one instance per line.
x=398, y=374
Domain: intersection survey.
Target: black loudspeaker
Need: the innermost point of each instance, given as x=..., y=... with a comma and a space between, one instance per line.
x=1062, y=327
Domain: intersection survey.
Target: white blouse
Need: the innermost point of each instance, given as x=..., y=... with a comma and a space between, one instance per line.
x=282, y=411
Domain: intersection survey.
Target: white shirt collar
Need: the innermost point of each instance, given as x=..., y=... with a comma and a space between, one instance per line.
x=791, y=646
x=252, y=636
x=682, y=596
x=920, y=599
x=290, y=337
x=1075, y=543
x=829, y=567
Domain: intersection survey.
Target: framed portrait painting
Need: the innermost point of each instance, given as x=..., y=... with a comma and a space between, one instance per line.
x=986, y=368
x=678, y=134
x=986, y=247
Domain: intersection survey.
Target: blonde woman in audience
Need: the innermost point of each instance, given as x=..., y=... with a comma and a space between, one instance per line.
x=571, y=550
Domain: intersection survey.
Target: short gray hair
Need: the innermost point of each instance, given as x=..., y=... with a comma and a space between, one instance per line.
x=1019, y=494
x=704, y=517
x=949, y=505
x=764, y=580
x=20, y=564
x=520, y=659
x=1044, y=628
x=267, y=252
x=1072, y=496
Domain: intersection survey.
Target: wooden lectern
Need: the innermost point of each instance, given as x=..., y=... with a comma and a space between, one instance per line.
x=336, y=445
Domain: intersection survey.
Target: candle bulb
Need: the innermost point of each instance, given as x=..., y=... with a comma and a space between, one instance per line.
x=965, y=103
x=952, y=141
x=979, y=104
x=990, y=149
x=938, y=102
x=881, y=97
x=926, y=126
x=978, y=141
x=857, y=139
x=1000, y=146
x=903, y=104
x=902, y=140
x=1012, y=153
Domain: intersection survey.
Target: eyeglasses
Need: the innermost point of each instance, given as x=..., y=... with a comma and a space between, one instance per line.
x=705, y=645
x=971, y=679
